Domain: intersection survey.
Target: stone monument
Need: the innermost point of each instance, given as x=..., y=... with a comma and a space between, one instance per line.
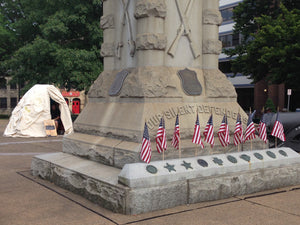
x=160, y=59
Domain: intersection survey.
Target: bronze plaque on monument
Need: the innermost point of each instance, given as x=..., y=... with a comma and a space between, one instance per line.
x=118, y=83
x=190, y=82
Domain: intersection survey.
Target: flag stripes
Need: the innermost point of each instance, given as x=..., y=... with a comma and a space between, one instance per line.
x=262, y=130
x=250, y=130
x=209, y=132
x=197, y=135
x=278, y=130
x=176, y=135
x=223, y=132
x=161, y=142
x=146, y=146
x=238, y=131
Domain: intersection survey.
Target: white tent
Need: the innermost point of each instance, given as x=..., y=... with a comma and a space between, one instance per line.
x=27, y=119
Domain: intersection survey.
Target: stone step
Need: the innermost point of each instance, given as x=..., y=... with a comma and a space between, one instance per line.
x=94, y=181
x=149, y=190
x=117, y=153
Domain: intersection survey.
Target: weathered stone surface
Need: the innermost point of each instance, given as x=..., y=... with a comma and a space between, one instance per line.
x=143, y=200
x=91, y=147
x=147, y=8
x=212, y=47
x=107, y=49
x=41, y=168
x=107, y=22
x=99, y=88
x=151, y=41
x=117, y=153
x=92, y=180
x=217, y=85
x=225, y=186
x=150, y=82
x=212, y=16
x=99, y=183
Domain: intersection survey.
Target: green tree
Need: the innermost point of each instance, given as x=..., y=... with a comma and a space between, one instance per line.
x=7, y=39
x=271, y=41
x=58, y=41
x=270, y=105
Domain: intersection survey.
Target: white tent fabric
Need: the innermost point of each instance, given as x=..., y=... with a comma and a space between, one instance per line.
x=27, y=119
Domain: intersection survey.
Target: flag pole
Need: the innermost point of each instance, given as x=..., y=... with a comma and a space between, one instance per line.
x=196, y=149
x=263, y=112
x=226, y=148
x=179, y=145
x=179, y=149
x=276, y=137
x=163, y=155
x=251, y=145
x=238, y=147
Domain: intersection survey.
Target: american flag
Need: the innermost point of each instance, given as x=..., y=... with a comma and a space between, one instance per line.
x=197, y=135
x=146, y=146
x=209, y=132
x=238, y=131
x=250, y=130
x=278, y=130
x=161, y=142
x=262, y=129
x=223, y=132
x=176, y=135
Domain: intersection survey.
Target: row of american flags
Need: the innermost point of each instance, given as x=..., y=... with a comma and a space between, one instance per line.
x=208, y=133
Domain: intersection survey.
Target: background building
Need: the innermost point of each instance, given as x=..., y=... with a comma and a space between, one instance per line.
x=242, y=84
x=9, y=96
x=76, y=100
x=249, y=95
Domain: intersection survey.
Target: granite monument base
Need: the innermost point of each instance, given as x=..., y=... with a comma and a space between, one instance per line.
x=140, y=187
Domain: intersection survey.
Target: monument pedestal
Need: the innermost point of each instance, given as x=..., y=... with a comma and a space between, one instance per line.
x=117, y=153
x=160, y=60
x=140, y=188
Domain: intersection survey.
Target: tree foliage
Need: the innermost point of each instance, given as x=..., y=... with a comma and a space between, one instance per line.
x=57, y=41
x=7, y=39
x=271, y=41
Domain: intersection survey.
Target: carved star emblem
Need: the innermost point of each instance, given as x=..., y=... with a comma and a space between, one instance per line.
x=170, y=167
x=187, y=165
x=218, y=161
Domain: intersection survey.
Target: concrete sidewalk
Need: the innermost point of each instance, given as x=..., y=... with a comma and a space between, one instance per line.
x=28, y=200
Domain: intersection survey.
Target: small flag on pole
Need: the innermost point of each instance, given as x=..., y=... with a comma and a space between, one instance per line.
x=238, y=131
x=146, y=146
x=278, y=130
x=209, y=132
x=161, y=142
x=176, y=135
x=262, y=129
x=197, y=135
x=223, y=132
x=250, y=130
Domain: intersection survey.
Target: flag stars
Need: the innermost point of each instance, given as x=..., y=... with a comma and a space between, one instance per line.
x=170, y=167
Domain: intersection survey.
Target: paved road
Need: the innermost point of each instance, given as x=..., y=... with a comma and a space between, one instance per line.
x=28, y=200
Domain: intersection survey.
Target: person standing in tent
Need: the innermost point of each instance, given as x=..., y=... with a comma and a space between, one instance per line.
x=55, y=115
